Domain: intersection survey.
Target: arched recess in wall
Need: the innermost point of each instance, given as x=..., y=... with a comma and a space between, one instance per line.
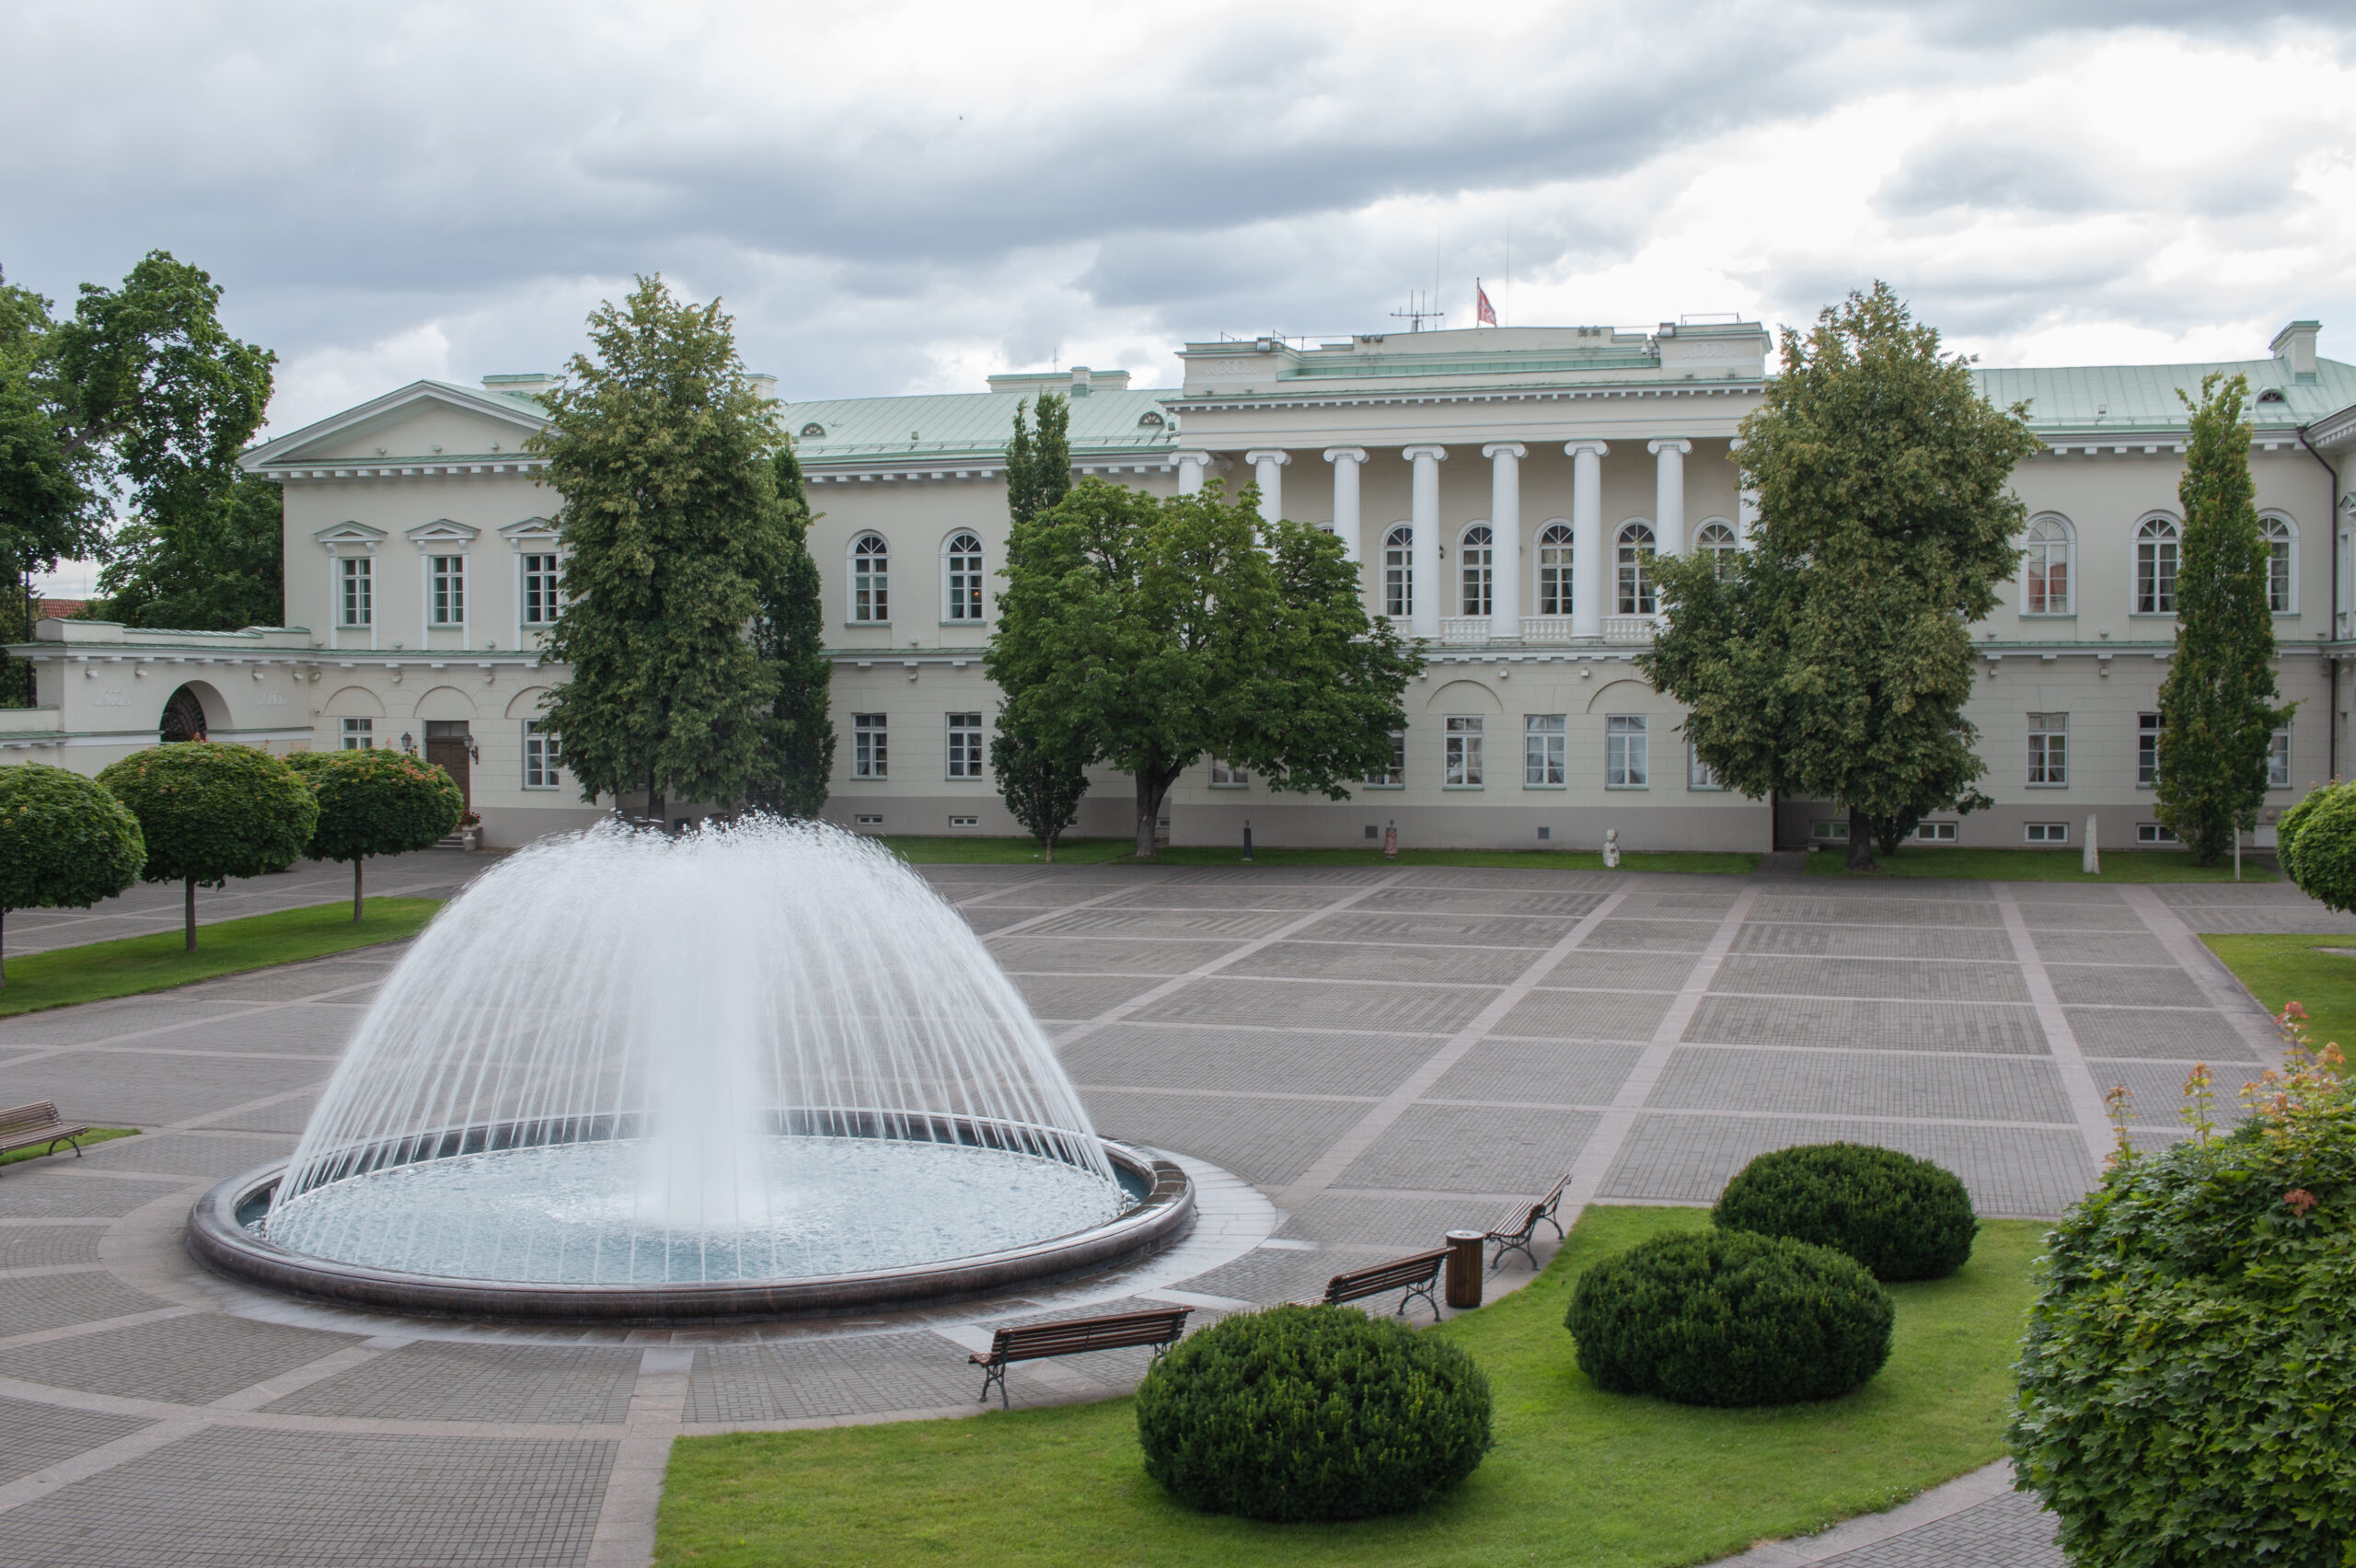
x=1626, y=697
x=1463, y=696
x=526, y=704
x=353, y=702
x=193, y=713
x=445, y=703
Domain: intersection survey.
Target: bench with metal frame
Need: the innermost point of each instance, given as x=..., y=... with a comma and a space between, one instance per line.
x=1116, y=1331
x=1515, y=1232
x=29, y=1126
x=1416, y=1275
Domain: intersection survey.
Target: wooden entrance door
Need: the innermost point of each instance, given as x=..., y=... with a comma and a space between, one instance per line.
x=449, y=746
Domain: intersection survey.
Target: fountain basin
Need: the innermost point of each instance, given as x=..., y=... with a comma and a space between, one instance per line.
x=221, y=1236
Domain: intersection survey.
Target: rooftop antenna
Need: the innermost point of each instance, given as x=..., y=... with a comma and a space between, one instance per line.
x=1417, y=312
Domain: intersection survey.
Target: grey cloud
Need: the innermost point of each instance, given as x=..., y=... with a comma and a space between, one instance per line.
x=1970, y=170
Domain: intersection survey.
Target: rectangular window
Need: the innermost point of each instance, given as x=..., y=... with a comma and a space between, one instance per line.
x=449, y=590
x=2048, y=833
x=541, y=604
x=965, y=822
x=965, y=745
x=2154, y=832
x=540, y=758
x=1700, y=775
x=1625, y=759
x=2048, y=749
x=1934, y=833
x=1543, y=737
x=868, y=752
x=2147, y=749
x=360, y=734
x=1225, y=775
x=1463, y=769
x=866, y=819
x=2278, y=759
x=1396, y=775
x=1829, y=831
x=359, y=583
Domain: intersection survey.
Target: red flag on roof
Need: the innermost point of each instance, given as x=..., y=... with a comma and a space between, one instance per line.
x=1486, y=312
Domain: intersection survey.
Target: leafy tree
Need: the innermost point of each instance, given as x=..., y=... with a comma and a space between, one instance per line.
x=1832, y=661
x=1043, y=790
x=210, y=811
x=673, y=532
x=2217, y=714
x=63, y=840
x=1038, y=467
x=376, y=802
x=792, y=639
x=1146, y=633
x=218, y=568
x=44, y=510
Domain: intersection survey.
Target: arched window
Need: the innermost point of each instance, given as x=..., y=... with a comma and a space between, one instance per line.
x=962, y=561
x=1477, y=567
x=1399, y=572
x=2282, y=537
x=2045, y=568
x=1636, y=569
x=1555, y=569
x=2156, y=546
x=871, y=580
x=1716, y=543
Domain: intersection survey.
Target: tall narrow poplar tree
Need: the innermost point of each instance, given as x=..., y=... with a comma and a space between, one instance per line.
x=1041, y=781
x=1038, y=467
x=2217, y=711
x=672, y=531
x=792, y=639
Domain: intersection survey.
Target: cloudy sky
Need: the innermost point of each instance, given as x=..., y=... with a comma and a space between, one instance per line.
x=897, y=195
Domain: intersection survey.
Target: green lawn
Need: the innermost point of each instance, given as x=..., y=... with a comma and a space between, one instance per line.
x=95, y=1136
x=1099, y=851
x=97, y=971
x=1577, y=1477
x=2290, y=969
x=2040, y=865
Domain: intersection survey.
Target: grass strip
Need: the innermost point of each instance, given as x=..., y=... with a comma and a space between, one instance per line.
x=926, y=851
x=2279, y=969
x=2038, y=864
x=1579, y=1477
x=95, y=1136
x=129, y=965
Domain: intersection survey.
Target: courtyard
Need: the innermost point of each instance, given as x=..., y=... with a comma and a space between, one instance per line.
x=1350, y=1062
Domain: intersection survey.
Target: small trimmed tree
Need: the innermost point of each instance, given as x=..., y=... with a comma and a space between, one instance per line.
x=210, y=811
x=376, y=802
x=791, y=638
x=63, y=840
x=1043, y=790
x=2217, y=709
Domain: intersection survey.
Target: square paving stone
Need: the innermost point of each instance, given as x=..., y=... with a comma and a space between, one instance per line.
x=1654, y=936
x=1462, y=1148
x=1465, y=901
x=105, y=1020
x=30, y=1191
x=286, y=1116
x=1269, y=1142
x=2114, y=919
x=48, y=1245
x=1901, y=979
x=297, y=981
x=1551, y=1072
x=193, y=1360
x=1587, y=1015
x=1862, y=1083
x=2158, y=1091
x=52, y=1301
x=1985, y=944
x=2010, y=1530
x=1229, y=926
x=1222, y=999
x=2084, y=982
x=1849, y=910
x=2187, y=1035
x=317, y=1031
x=794, y=1380
x=1262, y=1060
x=144, y=1089
x=39, y=1436
x=1270, y=1275
x=1622, y=971
x=1235, y=893
x=1409, y=1224
x=1866, y=1025
x=1071, y=997
x=1026, y=954
x=191, y=1154
x=2102, y=947
x=1366, y=961
x=240, y=1498
x=1449, y=929
x=439, y=1381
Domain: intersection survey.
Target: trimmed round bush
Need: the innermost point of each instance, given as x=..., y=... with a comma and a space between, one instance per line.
x=2188, y=1384
x=63, y=840
x=376, y=801
x=1902, y=1218
x=1729, y=1317
x=2315, y=841
x=1311, y=1412
x=209, y=811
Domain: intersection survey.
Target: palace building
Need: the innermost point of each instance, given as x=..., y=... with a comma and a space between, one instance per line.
x=1502, y=491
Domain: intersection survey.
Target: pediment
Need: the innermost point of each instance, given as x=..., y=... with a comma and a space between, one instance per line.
x=441, y=530
x=530, y=528
x=348, y=534
x=427, y=422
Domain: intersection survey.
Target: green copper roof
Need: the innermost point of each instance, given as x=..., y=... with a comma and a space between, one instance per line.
x=2091, y=399
x=973, y=426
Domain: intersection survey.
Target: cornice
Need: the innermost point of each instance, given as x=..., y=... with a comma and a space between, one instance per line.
x=398, y=468
x=1222, y=402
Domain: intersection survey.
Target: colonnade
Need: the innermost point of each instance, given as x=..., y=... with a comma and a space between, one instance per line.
x=1592, y=557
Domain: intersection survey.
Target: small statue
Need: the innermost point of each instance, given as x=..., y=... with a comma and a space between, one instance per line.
x=1611, y=849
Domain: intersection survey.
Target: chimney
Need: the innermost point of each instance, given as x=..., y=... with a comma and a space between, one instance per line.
x=530, y=384
x=764, y=384
x=2295, y=347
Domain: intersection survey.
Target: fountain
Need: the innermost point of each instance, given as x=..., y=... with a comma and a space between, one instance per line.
x=755, y=1071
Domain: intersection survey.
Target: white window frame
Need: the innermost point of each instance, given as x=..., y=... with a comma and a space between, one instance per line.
x=1399, y=571
x=2048, y=750
x=2147, y=751
x=1396, y=775
x=870, y=745
x=1464, y=766
x=1632, y=546
x=967, y=756
x=1225, y=775
x=550, y=581
x=964, y=591
x=1558, y=567
x=358, y=734
x=1545, y=751
x=446, y=590
x=2278, y=759
x=2051, y=550
x=1627, y=751
x=1700, y=775
x=355, y=572
x=2159, y=557
x=1718, y=539
x=868, y=579
x=1935, y=832
x=542, y=758
x=1476, y=570
x=2155, y=832
x=2281, y=534
x=2045, y=832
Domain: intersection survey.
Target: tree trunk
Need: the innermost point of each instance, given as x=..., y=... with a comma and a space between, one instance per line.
x=1050, y=842
x=1861, y=841
x=3, y=950
x=1153, y=787
x=357, y=862
x=654, y=803
x=191, y=911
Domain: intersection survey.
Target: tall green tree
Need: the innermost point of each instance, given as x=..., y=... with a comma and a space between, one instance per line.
x=1832, y=661
x=218, y=566
x=673, y=533
x=1038, y=466
x=791, y=639
x=2217, y=709
x=63, y=840
x=1042, y=789
x=209, y=811
x=1146, y=633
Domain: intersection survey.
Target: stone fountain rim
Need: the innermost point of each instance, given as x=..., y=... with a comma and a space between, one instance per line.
x=228, y=1247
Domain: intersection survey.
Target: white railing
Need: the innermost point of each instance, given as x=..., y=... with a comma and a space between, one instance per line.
x=1546, y=628
x=1628, y=629
x=1465, y=628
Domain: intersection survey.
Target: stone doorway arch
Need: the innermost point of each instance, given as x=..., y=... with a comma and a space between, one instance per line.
x=189, y=713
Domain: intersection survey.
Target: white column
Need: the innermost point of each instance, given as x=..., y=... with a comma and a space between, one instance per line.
x=1191, y=466
x=1668, y=487
x=1346, y=461
x=1590, y=567
x=1423, y=512
x=1746, y=501
x=1504, y=527
x=1268, y=470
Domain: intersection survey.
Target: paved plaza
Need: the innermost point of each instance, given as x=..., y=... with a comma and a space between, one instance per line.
x=1351, y=1061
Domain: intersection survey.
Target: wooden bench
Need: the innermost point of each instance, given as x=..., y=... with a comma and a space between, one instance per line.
x=1116, y=1331
x=26, y=1126
x=1416, y=1276
x=1520, y=1225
